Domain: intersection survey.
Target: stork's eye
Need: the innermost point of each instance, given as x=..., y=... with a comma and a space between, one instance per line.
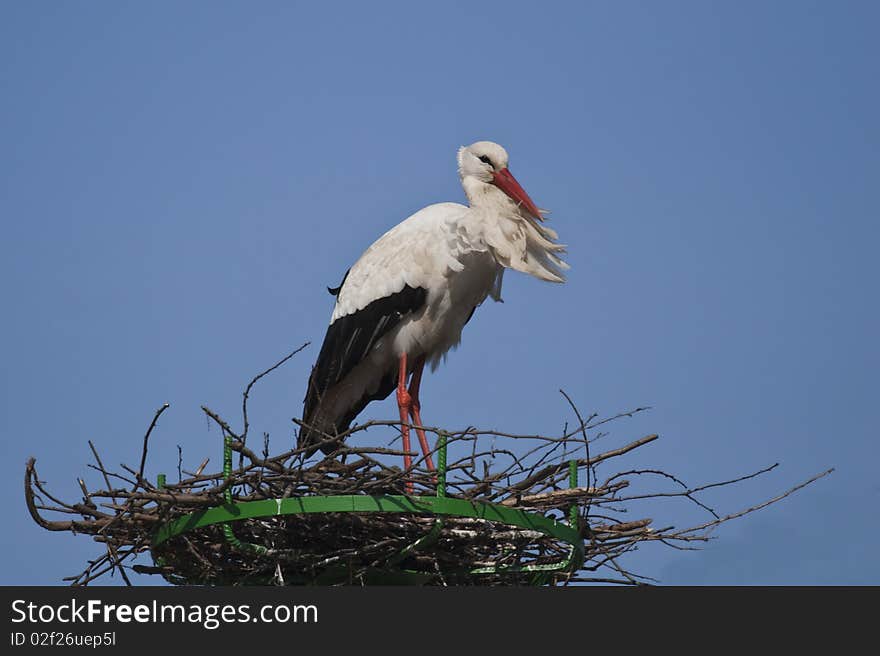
x=485, y=159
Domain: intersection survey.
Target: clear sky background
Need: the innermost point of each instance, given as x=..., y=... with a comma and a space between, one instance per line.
x=179, y=182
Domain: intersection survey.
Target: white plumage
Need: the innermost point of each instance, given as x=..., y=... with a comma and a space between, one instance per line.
x=407, y=298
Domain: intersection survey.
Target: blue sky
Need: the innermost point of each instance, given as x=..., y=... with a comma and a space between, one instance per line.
x=181, y=181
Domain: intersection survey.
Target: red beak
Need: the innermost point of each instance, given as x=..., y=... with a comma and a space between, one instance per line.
x=505, y=181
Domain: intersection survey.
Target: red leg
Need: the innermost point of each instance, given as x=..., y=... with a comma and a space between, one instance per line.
x=415, y=410
x=404, y=404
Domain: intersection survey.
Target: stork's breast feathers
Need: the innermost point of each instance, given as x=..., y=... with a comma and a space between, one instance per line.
x=522, y=244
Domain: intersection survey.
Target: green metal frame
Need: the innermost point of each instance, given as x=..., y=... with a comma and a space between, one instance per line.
x=439, y=506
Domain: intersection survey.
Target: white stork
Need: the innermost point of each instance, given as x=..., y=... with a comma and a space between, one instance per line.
x=407, y=298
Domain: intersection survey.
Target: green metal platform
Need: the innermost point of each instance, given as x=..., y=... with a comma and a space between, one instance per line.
x=439, y=506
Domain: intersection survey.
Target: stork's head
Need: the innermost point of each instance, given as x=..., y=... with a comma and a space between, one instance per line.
x=482, y=167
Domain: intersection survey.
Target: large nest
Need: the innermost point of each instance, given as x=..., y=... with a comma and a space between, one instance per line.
x=525, y=473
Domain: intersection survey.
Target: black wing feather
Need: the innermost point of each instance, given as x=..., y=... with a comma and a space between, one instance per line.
x=348, y=341
x=334, y=291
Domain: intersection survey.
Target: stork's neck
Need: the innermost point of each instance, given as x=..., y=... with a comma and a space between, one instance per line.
x=488, y=197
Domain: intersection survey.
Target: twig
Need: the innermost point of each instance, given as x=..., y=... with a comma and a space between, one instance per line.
x=247, y=391
x=140, y=472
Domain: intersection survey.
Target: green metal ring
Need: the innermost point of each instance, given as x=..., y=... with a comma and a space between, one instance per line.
x=363, y=503
x=440, y=505
x=388, y=504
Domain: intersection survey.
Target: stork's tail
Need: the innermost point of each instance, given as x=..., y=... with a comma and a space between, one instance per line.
x=318, y=434
x=324, y=418
x=318, y=426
